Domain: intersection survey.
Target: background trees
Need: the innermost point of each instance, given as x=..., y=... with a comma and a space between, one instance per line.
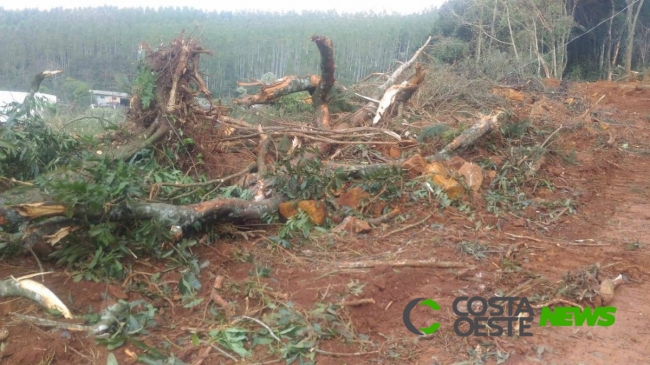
x=584, y=39
x=551, y=38
x=93, y=45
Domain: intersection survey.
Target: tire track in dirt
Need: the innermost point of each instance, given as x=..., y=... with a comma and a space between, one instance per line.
x=624, y=195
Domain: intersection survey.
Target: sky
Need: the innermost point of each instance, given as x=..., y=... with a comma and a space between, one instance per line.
x=343, y=6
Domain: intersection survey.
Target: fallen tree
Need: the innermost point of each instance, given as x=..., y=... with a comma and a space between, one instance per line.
x=165, y=107
x=105, y=199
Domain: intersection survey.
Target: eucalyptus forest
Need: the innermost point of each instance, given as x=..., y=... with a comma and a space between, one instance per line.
x=578, y=39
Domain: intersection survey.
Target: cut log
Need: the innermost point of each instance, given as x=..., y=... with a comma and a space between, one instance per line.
x=391, y=80
x=168, y=214
x=469, y=136
x=399, y=94
x=271, y=93
x=368, y=111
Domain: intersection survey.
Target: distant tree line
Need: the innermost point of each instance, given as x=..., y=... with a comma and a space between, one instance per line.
x=577, y=39
x=98, y=47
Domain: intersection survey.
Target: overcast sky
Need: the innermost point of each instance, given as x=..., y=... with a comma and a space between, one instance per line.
x=390, y=6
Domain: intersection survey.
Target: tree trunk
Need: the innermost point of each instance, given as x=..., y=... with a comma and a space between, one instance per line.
x=632, y=17
x=614, y=59
x=609, y=40
x=540, y=57
x=284, y=86
x=493, y=25
x=479, y=45
x=512, y=36
x=321, y=94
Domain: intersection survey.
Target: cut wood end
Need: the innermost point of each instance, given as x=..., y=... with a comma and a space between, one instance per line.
x=314, y=80
x=51, y=72
x=218, y=282
x=53, y=239
x=36, y=210
x=48, y=299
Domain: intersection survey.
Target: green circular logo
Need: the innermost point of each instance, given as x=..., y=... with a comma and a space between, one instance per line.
x=407, y=316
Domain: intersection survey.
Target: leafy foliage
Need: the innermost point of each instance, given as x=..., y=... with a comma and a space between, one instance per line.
x=28, y=150
x=298, y=333
x=106, y=184
x=298, y=223
x=307, y=179
x=98, y=249
x=295, y=103
x=132, y=324
x=144, y=85
x=76, y=92
x=432, y=132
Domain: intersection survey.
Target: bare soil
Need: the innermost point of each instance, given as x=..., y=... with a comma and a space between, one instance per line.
x=611, y=226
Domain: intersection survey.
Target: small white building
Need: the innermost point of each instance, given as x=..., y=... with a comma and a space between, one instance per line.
x=9, y=97
x=111, y=99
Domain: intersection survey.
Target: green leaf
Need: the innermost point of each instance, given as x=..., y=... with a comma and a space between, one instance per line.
x=115, y=343
x=262, y=341
x=121, y=187
x=238, y=347
x=111, y=360
x=154, y=353
x=193, y=303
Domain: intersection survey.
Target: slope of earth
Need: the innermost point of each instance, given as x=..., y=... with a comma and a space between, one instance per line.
x=599, y=167
x=615, y=212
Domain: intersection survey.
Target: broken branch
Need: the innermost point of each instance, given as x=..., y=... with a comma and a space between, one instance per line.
x=398, y=72
x=402, y=263
x=354, y=303
x=34, y=291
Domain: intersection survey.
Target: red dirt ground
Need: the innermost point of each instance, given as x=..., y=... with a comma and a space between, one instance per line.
x=609, y=183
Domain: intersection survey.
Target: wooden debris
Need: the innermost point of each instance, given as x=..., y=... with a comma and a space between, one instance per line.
x=315, y=209
x=354, y=303
x=473, y=175
x=433, y=263
x=398, y=93
x=607, y=288
x=35, y=291
x=441, y=177
x=353, y=225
